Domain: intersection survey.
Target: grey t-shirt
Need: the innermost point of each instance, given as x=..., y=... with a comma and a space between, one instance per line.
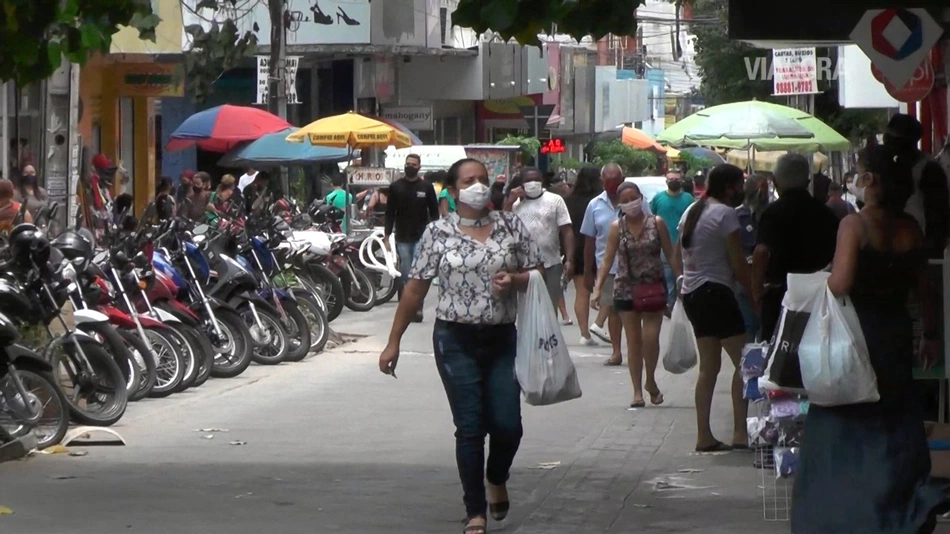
x=706, y=260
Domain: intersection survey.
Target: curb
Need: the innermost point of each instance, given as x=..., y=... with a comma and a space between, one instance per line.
x=18, y=448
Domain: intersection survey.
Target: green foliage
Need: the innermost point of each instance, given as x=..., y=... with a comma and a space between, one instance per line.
x=35, y=35
x=562, y=162
x=725, y=77
x=634, y=162
x=217, y=51
x=694, y=163
x=525, y=19
x=529, y=145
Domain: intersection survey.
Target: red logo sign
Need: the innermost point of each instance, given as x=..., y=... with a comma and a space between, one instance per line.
x=916, y=89
x=553, y=146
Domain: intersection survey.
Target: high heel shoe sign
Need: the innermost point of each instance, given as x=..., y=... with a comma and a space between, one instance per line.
x=320, y=21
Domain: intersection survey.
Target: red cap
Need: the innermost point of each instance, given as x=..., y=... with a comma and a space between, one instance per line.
x=188, y=173
x=101, y=161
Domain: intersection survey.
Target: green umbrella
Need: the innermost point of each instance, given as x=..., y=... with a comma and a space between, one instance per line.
x=754, y=124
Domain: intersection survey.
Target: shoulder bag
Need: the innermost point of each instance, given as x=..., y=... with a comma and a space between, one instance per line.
x=647, y=298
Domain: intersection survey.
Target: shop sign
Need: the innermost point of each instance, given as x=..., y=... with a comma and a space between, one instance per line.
x=794, y=71
x=897, y=40
x=553, y=146
x=152, y=79
x=916, y=89
x=412, y=117
x=371, y=176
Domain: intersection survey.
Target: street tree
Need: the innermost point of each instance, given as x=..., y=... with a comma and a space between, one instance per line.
x=36, y=36
x=218, y=43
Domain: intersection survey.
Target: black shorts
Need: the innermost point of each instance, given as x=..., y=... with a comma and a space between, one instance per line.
x=714, y=312
x=579, y=260
x=623, y=305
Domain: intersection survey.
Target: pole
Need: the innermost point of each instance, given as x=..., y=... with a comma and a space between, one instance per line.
x=5, y=149
x=277, y=82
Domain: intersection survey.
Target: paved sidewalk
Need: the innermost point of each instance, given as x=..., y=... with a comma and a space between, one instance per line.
x=332, y=445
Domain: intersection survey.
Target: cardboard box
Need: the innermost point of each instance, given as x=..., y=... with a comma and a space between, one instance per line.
x=939, y=459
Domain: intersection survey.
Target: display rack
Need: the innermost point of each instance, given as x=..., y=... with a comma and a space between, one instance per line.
x=776, y=491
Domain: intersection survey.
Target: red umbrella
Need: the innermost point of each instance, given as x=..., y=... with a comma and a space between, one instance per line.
x=219, y=129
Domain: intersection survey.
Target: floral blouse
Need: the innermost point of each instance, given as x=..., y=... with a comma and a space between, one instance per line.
x=465, y=267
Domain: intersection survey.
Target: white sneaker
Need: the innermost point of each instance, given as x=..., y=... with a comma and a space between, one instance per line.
x=598, y=331
x=588, y=342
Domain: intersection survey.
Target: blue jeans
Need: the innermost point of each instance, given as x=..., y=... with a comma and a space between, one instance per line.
x=405, y=252
x=477, y=366
x=752, y=324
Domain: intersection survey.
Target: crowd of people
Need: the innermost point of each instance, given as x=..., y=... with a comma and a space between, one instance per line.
x=723, y=251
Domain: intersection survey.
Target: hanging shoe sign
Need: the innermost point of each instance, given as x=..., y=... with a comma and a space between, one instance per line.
x=291, y=64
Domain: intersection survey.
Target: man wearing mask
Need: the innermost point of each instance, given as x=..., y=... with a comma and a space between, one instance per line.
x=184, y=185
x=796, y=234
x=930, y=203
x=412, y=204
x=670, y=205
x=545, y=214
x=600, y=214
x=196, y=202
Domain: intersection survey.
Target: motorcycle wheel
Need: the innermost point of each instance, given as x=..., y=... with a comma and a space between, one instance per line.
x=115, y=345
x=98, y=398
x=43, y=390
x=169, y=363
x=361, y=296
x=143, y=359
x=233, y=353
x=316, y=319
x=298, y=330
x=204, y=353
x=270, y=345
x=188, y=356
x=386, y=286
x=331, y=286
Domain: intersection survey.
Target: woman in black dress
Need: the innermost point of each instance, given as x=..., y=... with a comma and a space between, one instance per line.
x=865, y=468
x=587, y=187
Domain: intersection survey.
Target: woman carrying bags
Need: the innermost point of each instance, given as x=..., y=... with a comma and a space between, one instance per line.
x=639, y=286
x=482, y=259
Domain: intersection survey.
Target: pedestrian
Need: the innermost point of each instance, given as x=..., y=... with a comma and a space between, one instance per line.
x=820, y=184
x=498, y=192
x=598, y=217
x=749, y=213
x=161, y=207
x=376, y=209
x=586, y=188
x=670, y=205
x=184, y=185
x=196, y=201
x=247, y=179
x=930, y=202
x=837, y=204
x=219, y=205
x=29, y=192
x=638, y=242
x=9, y=208
x=711, y=250
x=411, y=206
x=868, y=465
x=545, y=216
x=482, y=258
x=796, y=234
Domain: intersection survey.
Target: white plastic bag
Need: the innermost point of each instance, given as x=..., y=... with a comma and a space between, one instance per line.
x=543, y=364
x=681, y=352
x=805, y=292
x=834, y=359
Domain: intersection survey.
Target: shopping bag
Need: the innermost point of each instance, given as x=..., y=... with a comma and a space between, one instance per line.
x=833, y=356
x=805, y=292
x=681, y=352
x=543, y=364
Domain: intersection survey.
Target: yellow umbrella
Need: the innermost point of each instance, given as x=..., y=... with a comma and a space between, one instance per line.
x=766, y=161
x=351, y=130
x=672, y=153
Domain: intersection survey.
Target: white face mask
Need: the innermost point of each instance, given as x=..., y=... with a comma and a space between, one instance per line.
x=475, y=196
x=633, y=208
x=856, y=190
x=533, y=189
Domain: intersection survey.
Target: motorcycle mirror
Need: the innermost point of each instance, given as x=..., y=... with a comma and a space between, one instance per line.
x=201, y=229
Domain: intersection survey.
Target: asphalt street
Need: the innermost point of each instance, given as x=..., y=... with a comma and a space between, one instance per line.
x=331, y=445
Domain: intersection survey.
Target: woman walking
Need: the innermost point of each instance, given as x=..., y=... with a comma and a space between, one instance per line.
x=639, y=287
x=587, y=187
x=29, y=193
x=867, y=466
x=710, y=248
x=482, y=258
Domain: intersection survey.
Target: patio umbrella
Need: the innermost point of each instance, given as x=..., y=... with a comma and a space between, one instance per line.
x=632, y=137
x=274, y=149
x=221, y=128
x=399, y=126
x=714, y=158
x=353, y=131
x=755, y=125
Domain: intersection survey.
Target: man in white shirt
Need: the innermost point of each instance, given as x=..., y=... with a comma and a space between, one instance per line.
x=546, y=216
x=246, y=179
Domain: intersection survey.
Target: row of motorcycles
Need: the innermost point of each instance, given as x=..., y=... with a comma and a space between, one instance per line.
x=153, y=310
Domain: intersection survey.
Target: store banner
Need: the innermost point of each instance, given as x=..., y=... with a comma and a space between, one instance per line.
x=794, y=71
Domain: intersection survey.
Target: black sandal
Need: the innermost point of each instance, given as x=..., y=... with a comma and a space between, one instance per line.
x=715, y=447
x=499, y=510
x=638, y=404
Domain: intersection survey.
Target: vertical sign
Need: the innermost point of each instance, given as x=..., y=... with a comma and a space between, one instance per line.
x=794, y=71
x=291, y=64
x=263, y=75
